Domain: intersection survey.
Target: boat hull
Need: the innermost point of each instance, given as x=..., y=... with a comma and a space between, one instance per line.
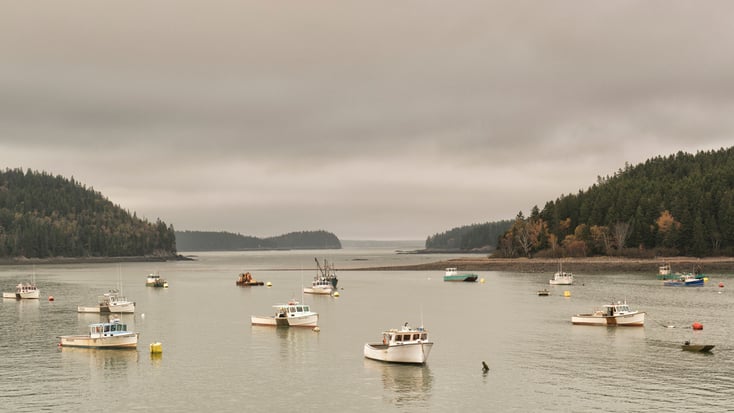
x=129, y=340
x=249, y=284
x=461, y=277
x=695, y=282
x=310, y=320
x=626, y=320
x=412, y=353
x=318, y=290
x=32, y=295
x=560, y=282
x=127, y=308
x=701, y=348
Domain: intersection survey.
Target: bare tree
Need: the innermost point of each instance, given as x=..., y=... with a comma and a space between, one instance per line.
x=620, y=232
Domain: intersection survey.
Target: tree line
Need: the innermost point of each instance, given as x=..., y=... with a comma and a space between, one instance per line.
x=227, y=241
x=682, y=204
x=50, y=216
x=469, y=237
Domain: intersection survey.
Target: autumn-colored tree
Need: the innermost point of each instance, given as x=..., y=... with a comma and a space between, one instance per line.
x=668, y=229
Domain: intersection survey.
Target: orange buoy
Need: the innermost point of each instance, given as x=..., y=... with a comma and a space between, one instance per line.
x=50, y=298
x=697, y=326
x=721, y=285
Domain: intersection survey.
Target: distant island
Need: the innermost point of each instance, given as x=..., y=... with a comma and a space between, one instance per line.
x=227, y=241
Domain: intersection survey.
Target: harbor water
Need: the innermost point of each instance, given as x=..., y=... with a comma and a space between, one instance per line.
x=213, y=360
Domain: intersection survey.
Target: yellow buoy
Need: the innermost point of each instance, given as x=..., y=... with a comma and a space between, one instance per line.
x=567, y=293
x=481, y=280
x=269, y=284
x=316, y=329
x=336, y=294
x=705, y=279
x=156, y=348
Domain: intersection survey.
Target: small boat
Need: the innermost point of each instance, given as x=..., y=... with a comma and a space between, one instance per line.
x=701, y=348
x=618, y=314
x=111, y=302
x=407, y=345
x=246, y=280
x=292, y=314
x=113, y=334
x=452, y=274
x=325, y=280
x=544, y=292
x=561, y=277
x=24, y=290
x=665, y=273
x=684, y=280
x=155, y=280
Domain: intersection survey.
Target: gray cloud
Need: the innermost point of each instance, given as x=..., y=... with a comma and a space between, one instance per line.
x=378, y=120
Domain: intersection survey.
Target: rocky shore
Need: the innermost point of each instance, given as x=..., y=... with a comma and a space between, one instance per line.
x=721, y=265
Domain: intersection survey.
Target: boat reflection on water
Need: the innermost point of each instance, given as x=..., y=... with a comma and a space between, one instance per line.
x=405, y=385
x=110, y=362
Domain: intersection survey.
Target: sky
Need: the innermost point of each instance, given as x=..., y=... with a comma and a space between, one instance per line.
x=381, y=120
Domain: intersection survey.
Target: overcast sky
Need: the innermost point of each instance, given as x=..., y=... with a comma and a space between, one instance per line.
x=371, y=119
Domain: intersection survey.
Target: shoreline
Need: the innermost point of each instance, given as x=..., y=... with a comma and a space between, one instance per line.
x=592, y=265
x=89, y=260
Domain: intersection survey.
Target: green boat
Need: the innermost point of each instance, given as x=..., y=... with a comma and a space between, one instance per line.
x=452, y=274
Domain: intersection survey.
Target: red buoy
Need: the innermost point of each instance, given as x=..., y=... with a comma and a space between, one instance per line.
x=697, y=326
x=721, y=285
x=50, y=298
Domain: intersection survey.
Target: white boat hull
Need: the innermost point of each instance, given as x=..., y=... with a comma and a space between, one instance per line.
x=129, y=340
x=416, y=353
x=26, y=295
x=117, y=308
x=318, y=290
x=33, y=295
x=636, y=319
x=309, y=320
x=560, y=282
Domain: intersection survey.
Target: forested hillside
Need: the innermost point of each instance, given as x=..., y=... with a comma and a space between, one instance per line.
x=468, y=237
x=50, y=216
x=681, y=204
x=227, y=241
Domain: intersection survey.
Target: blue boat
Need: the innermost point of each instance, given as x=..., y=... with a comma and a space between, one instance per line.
x=686, y=280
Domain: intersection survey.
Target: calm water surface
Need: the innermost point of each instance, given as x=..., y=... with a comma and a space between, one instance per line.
x=213, y=360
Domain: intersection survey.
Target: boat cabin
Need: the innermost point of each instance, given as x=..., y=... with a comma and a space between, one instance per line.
x=112, y=328
x=292, y=309
x=617, y=309
x=404, y=335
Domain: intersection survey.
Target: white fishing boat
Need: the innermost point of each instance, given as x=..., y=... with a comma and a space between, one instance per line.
x=113, y=334
x=111, y=302
x=292, y=314
x=325, y=280
x=618, y=314
x=155, y=280
x=406, y=345
x=561, y=277
x=24, y=290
